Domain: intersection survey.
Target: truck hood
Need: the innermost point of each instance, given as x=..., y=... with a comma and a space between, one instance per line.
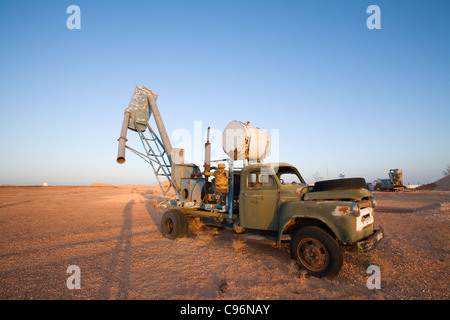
x=296, y=192
x=346, y=194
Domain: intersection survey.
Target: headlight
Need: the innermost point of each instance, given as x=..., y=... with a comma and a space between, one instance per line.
x=355, y=209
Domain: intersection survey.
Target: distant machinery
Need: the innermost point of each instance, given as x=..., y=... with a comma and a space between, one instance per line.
x=394, y=183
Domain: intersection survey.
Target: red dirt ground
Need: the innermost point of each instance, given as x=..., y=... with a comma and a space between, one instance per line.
x=112, y=234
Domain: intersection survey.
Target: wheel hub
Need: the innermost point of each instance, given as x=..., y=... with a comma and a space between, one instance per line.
x=313, y=254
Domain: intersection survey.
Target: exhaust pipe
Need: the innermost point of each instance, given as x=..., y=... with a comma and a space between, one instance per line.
x=207, y=152
x=123, y=136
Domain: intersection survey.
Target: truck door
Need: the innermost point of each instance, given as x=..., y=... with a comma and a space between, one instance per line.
x=258, y=200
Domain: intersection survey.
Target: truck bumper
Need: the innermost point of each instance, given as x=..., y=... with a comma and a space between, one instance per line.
x=371, y=241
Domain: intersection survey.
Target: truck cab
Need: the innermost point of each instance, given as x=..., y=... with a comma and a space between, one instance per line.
x=263, y=190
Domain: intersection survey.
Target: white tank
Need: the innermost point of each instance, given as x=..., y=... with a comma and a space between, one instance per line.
x=249, y=142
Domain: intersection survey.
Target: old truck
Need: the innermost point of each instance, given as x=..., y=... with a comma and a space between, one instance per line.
x=268, y=202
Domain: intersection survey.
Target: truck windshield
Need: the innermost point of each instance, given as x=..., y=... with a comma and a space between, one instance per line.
x=288, y=176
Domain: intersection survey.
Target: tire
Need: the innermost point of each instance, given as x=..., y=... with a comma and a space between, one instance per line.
x=184, y=224
x=174, y=224
x=317, y=252
x=336, y=184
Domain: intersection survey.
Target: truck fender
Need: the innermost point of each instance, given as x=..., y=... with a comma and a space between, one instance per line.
x=296, y=214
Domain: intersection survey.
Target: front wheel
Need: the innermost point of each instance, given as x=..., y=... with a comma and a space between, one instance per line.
x=317, y=252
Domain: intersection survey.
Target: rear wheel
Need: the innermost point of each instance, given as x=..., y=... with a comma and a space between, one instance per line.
x=317, y=252
x=174, y=224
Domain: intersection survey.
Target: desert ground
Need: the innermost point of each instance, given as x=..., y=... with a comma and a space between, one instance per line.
x=112, y=233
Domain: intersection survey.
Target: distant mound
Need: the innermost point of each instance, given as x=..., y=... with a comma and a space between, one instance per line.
x=143, y=188
x=439, y=185
x=165, y=184
x=443, y=184
x=98, y=184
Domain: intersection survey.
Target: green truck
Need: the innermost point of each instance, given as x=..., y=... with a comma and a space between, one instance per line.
x=273, y=204
x=267, y=202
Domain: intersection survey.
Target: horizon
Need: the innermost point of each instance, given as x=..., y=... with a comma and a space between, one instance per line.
x=102, y=184
x=341, y=98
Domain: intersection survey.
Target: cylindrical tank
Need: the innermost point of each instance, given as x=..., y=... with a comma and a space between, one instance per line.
x=241, y=141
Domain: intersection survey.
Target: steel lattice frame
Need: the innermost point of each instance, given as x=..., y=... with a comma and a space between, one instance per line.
x=155, y=155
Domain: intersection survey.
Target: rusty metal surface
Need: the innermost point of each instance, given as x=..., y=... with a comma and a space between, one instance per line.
x=139, y=108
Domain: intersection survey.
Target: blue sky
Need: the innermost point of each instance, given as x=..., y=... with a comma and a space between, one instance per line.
x=345, y=99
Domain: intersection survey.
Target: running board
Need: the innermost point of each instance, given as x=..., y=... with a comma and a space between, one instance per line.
x=265, y=239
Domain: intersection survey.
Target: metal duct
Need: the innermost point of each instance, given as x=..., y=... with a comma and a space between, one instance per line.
x=123, y=136
x=160, y=125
